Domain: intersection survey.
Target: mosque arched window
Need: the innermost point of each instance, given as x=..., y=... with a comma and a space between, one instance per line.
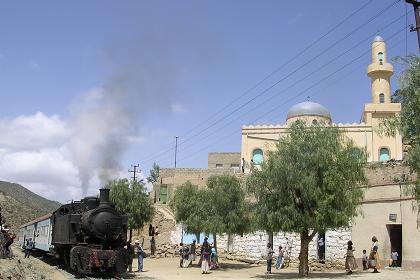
x=384, y=154
x=381, y=98
x=380, y=57
x=257, y=156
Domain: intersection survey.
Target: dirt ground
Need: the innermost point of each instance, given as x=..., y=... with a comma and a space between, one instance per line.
x=167, y=269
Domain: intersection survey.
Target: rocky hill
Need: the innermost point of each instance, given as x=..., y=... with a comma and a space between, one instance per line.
x=19, y=205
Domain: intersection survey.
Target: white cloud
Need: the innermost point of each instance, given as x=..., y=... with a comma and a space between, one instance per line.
x=33, y=132
x=177, y=108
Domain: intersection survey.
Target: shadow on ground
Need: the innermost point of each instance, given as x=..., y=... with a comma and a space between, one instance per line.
x=295, y=275
x=232, y=266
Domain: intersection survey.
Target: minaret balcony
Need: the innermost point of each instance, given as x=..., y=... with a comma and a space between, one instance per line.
x=378, y=69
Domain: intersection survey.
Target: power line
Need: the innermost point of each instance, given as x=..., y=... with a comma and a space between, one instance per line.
x=291, y=73
x=267, y=76
x=235, y=132
x=301, y=80
x=305, y=77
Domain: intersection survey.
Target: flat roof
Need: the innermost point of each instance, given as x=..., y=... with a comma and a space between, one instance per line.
x=37, y=220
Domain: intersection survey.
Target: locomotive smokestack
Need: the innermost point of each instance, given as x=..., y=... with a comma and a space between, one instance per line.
x=104, y=196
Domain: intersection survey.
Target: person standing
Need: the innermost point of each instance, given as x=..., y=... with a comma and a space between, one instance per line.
x=205, y=252
x=243, y=165
x=181, y=254
x=192, y=251
x=270, y=253
x=29, y=247
x=394, y=257
x=138, y=249
x=130, y=256
x=350, y=264
x=152, y=246
x=321, y=249
x=374, y=255
x=279, y=260
x=365, y=260
x=9, y=241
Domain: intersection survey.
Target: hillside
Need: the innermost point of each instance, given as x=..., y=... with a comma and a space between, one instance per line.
x=20, y=205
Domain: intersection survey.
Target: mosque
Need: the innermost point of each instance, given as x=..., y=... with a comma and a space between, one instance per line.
x=258, y=139
x=387, y=211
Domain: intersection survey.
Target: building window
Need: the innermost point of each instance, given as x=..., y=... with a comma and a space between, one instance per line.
x=384, y=154
x=219, y=165
x=380, y=58
x=381, y=98
x=235, y=166
x=257, y=156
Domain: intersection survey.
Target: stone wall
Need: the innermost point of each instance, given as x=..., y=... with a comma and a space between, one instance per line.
x=224, y=161
x=254, y=245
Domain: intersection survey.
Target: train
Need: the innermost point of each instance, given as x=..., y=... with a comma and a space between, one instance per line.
x=87, y=236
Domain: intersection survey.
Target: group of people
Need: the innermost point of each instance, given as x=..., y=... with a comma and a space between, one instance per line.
x=371, y=261
x=208, y=255
x=279, y=258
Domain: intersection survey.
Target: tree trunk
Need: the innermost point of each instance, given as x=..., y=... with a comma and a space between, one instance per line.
x=303, y=255
x=271, y=239
x=197, y=237
x=215, y=241
x=131, y=234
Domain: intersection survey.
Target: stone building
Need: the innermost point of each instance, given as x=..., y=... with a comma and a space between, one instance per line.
x=387, y=211
x=171, y=178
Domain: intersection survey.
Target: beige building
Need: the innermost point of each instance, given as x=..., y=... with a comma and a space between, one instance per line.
x=387, y=212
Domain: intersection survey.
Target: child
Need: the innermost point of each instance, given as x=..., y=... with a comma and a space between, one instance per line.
x=279, y=260
x=394, y=257
x=350, y=261
x=365, y=260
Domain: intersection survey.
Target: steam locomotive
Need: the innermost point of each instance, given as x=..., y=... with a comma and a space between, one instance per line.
x=88, y=236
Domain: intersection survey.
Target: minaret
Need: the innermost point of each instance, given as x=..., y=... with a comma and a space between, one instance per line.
x=380, y=72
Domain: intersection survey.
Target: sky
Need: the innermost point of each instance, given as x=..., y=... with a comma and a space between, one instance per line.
x=88, y=88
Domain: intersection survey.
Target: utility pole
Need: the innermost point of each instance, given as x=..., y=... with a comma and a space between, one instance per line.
x=416, y=15
x=176, y=148
x=134, y=171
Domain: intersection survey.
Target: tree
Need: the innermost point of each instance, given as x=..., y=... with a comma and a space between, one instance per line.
x=154, y=173
x=131, y=199
x=228, y=211
x=408, y=122
x=308, y=184
x=220, y=208
x=190, y=206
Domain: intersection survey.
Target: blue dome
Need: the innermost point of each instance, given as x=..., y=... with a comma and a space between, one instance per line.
x=308, y=108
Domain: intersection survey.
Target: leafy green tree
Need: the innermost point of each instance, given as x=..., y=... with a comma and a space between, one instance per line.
x=308, y=184
x=220, y=208
x=190, y=206
x=408, y=122
x=131, y=199
x=154, y=173
x=228, y=210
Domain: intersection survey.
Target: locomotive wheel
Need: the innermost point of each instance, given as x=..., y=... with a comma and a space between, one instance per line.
x=79, y=260
x=121, y=262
